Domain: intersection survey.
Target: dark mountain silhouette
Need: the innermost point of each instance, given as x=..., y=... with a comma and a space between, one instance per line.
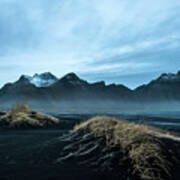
x=72, y=91
x=164, y=88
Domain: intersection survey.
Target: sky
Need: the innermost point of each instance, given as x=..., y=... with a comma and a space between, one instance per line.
x=118, y=41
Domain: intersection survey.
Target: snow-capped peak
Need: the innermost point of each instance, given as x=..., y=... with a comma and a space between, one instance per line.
x=42, y=80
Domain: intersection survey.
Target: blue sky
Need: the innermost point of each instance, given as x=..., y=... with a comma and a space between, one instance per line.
x=119, y=41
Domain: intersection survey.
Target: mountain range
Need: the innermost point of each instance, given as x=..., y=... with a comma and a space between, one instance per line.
x=47, y=91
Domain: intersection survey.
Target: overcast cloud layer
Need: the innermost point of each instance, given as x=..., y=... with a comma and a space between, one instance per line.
x=121, y=41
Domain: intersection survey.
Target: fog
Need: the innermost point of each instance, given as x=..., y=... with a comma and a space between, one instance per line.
x=163, y=108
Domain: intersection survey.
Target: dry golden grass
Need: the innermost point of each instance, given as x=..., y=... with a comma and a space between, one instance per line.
x=22, y=119
x=20, y=108
x=140, y=143
x=22, y=116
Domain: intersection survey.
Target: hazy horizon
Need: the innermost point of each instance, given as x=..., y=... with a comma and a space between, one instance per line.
x=91, y=80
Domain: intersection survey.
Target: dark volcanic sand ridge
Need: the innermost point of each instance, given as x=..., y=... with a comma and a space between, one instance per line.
x=122, y=150
x=100, y=148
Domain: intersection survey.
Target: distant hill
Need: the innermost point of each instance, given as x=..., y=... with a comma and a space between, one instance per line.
x=47, y=91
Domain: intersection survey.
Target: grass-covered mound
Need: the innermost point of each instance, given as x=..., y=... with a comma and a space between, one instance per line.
x=21, y=116
x=124, y=150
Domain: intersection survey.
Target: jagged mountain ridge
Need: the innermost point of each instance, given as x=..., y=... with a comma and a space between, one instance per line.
x=72, y=90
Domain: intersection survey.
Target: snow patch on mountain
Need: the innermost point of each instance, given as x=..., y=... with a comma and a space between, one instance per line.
x=42, y=80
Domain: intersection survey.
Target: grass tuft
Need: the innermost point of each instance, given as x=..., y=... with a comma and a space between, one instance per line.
x=140, y=144
x=22, y=116
x=23, y=108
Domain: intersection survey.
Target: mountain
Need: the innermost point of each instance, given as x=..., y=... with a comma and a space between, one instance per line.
x=164, y=88
x=42, y=80
x=69, y=92
x=21, y=91
x=74, y=89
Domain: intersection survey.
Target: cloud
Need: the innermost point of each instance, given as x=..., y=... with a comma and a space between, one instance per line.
x=90, y=37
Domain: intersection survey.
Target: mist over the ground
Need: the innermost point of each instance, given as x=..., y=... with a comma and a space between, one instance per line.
x=164, y=108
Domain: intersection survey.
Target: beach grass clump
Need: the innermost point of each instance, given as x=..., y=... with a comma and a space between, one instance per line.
x=139, y=144
x=21, y=116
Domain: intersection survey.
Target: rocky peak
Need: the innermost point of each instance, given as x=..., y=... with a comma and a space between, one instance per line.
x=41, y=80
x=99, y=84
x=169, y=77
x=72, y=78
x=23, y=79
x=45, y=76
